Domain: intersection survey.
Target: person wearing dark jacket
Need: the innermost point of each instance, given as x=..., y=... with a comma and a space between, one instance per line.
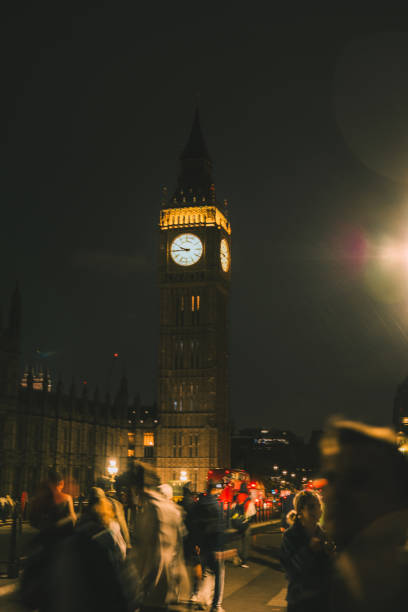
x=208, y=534
x=244, y=510
x=305, y=556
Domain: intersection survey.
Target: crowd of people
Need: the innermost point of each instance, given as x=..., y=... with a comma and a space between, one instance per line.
x=144, y=554
x=147, y=553
x=7, y=505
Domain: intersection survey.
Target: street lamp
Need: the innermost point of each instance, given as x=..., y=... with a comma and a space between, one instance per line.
x=183, y=476
x=112, y=470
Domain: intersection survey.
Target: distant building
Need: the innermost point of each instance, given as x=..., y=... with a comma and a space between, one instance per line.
x=142, y=433
x=258, y=449
x=38, y=376
x=40, y=429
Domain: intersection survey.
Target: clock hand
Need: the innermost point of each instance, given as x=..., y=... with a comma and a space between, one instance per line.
x=178, y=250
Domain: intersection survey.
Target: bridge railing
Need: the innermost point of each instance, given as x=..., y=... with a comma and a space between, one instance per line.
x=264, y=512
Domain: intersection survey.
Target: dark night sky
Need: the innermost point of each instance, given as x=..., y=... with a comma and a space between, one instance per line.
x=305, y=116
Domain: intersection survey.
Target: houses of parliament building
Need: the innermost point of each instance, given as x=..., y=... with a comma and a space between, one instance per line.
x=44, y=425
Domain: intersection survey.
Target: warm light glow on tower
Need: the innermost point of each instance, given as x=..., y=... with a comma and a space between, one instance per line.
x=193, y=216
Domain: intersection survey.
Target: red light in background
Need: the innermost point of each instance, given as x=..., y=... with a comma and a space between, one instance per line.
x=320, y=483
x=84, y=382
x=116, y=354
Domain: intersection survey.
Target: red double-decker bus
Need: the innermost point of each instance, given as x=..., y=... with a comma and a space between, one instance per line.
x=228, y=481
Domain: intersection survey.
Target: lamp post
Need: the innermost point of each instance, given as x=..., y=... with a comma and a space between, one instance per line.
x=112, y=470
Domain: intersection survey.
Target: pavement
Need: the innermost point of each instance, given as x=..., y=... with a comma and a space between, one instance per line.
x=259, y=588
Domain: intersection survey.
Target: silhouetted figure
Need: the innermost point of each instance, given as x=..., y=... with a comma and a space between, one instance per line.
x=287, y=506
x=306, y=556
x=188, y=499
x=52, y=513
x=119, y=504
x=90, y=568
x=243, y=513
x=51, y=505
x=208, y=534
x=367, y=515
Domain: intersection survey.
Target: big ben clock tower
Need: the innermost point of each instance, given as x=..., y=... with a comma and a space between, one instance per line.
x=194, y=275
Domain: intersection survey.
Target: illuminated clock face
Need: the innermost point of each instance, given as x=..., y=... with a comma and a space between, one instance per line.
x=224, y=255
x=186, y=249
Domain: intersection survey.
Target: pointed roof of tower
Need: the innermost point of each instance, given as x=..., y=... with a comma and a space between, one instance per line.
x=195, y=183
x=196, y=147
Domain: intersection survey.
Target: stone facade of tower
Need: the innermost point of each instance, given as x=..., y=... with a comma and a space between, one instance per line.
x=193, y=433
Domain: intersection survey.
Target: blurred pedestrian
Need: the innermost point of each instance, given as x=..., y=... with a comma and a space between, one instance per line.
x=90, y=567
x=23, y=504
x=306, y=556
x=243, y=513
x=367, y=514
x=166, y=490
x=286, y=507
x=120, y=517
x=52, y=513
x=157, y=530
x=52, y=508
x=100, y=513
x=209, y=537
x=188, y=499
x=191, y=548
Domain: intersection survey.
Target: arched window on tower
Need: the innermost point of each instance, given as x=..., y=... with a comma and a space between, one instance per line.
x=148, y=444
x=178, y=444
x=179, y=310
x=195, y=310
x=178, y=355
x=197, y=354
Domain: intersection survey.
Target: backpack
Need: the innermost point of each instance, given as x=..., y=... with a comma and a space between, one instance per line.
x=238, y=520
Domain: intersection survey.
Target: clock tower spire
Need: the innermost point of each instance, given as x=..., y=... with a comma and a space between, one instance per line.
x=195, y=180
x=194, y=276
